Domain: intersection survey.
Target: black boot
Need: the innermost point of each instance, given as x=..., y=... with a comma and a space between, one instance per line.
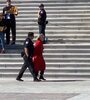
x=36, y=79
x=41, y=75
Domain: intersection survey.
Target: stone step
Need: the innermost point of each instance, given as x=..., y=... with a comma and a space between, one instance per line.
x=62, y=1
x=67, y=55
x=62, y=30
x=68, y=18
x=52, y=46
x=79, y=29
x=50, y=5
x=52, y=9
x=52, y=51
x=57, y=38
x=68, y=45
x=49, y=79
x=51, y=15
x=57, y=41
x=69, y=27
x=56, y=23
x=49, y=63
x=49, y=75
x=49, y=55
x=87, y=13
x=54, y=60
x=56, y=65
x=48, y=70
x=62, y=5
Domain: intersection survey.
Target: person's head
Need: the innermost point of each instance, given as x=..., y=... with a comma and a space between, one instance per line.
x=41, y=37
x=8, y=2
x=30, y=35
x=41, y=6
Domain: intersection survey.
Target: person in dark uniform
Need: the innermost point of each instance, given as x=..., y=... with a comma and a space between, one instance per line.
x=10, y=12
x=27, y=56
x=42, y=19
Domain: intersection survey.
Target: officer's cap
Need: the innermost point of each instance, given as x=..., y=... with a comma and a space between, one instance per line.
x=41, y=5
x=30, y=34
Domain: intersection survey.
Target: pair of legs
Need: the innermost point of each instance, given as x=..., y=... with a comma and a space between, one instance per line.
x=27, y=63
x=41, y=74
x=11, y=25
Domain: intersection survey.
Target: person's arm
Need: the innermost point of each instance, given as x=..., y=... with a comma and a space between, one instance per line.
x=16, y=11
x=13, y=10
x=26, y=52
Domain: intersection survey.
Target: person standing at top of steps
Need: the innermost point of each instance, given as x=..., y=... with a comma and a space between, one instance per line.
x=10, y=12
x=42, y=20
x=27, y=56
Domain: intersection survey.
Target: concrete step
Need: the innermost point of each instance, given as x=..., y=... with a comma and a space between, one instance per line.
x=62, y=1
x=67, y=46
x=55, y=46
x=49, y=79
x=50, y=75
x=49, y=69
x=48, y=64
x=54, y=60
x=49, y=55
x=53, y=51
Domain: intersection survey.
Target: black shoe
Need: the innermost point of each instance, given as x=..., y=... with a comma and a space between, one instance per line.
x=19, y=79
x=12, y=43
x=42, y=78
x=36, y=80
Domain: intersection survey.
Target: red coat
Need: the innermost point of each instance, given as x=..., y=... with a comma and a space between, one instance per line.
x=38, y=60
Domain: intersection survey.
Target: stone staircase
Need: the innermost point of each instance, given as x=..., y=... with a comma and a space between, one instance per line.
x=67, y=53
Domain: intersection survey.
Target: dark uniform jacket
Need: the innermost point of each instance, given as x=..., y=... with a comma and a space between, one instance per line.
x=29, y=45
x=42, y=18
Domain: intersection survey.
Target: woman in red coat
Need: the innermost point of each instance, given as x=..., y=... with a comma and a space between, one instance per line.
x=38, y=60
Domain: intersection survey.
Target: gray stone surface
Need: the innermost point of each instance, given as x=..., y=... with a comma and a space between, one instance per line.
x=28, y=86
x=36, y=96
x=48, y=90
x=81, y=97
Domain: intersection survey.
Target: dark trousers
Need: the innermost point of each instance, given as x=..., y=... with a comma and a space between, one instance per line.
x=11, y=25
x=42, y=29
x=27, y=63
